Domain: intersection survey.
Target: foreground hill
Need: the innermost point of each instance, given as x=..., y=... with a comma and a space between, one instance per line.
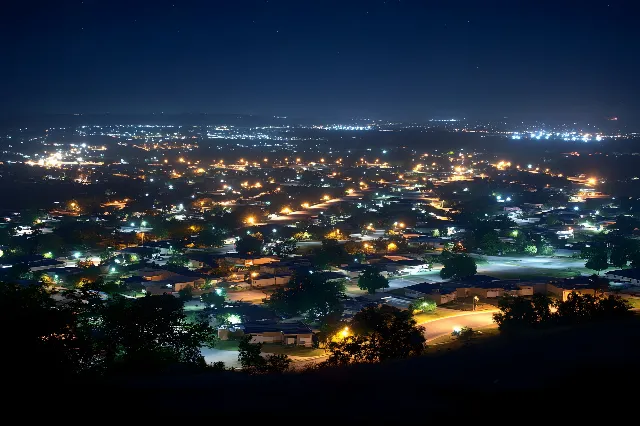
x=553, y=369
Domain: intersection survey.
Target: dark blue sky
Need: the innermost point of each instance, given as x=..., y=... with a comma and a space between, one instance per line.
x=398, y=59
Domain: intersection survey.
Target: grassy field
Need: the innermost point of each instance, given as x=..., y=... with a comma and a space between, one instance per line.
x=438, y=314
x=227, y=345
x=634, y=302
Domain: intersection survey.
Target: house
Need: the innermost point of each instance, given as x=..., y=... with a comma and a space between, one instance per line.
x=494, y=289
x=296, y=334
x=249, y=260
x=263, y=280
x=434, y=242
x=401, y=265
x=34, y=263
x=172, y=284
x=431, y=291
x=198, y=260
x=563, y=288
x=163, y=247
x=631, y=276
x=62, y=274
x=152, y=274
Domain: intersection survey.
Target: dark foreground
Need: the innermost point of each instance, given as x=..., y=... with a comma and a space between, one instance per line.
x=579, y=372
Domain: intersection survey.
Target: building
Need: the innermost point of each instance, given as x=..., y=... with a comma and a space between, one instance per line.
x=563, y=288
x=494, y=289
x=631, y=275
x=294, y=334
x=429, y=291
x=248, y=260
x=172, y=284
x=263, y=280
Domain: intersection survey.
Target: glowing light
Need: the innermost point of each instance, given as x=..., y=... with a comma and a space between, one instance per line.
x=251, y=220
x=392, y=247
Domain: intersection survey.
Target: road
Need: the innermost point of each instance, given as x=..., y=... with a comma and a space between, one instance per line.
x=445, y=326
x=313, y=210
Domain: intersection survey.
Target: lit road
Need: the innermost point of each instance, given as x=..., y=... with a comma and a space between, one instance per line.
x=313, y=210
x=445, y=326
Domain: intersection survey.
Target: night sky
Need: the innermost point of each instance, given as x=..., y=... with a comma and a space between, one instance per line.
x=408, y=59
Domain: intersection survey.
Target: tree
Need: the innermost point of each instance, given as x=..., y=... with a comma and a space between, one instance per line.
x=284, y=248
x=309, y=295
x=597, y=261
x=331, y=254
x=546, y=250
x=465, y=334
x=213, y=299
x=148, y=333
x=380, y=334
x=531, y=250
x=553, y=220
x=178, y=259
x=625, y=225
x=249, y=245
x=371, y=280
x=40, y=330
x=252, y=361
x=518, y=312
x=88, y=334
x=223, y=268
x=422, y=305
x=458, y=267
x=186, y=293
x=490, y=243
x=210, y=238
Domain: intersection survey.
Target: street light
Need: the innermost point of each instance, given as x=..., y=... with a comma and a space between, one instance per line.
x=475, y=301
